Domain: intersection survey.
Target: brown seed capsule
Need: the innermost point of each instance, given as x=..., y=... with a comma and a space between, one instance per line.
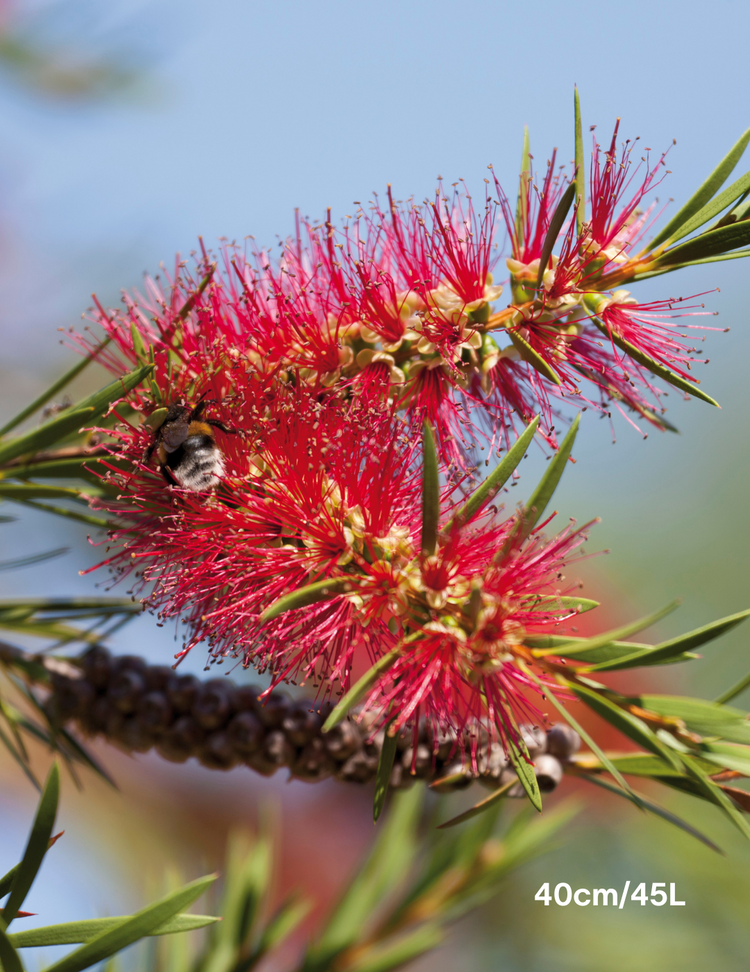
x=218, y=752
x=422, y=765
x=273, y=708
x=301, y=724
x=245, y=733
x=154, y=711
x=516, y=791
x=454, y=776
x=70, y=698
x=313, y=762
x=277, y=749
x=343, y=740
x=132, y=663
x=214, y=703
x=359, y=768
x=132, y=736
x=549, y=772
x=491, y=765
x=446, y=743
x=97, y=666
x=182, y=691
x=400, y=778
x=157, y=677
x=247, y=698
x=125, y=690
x=535, y=739
x=183, y=736
x=563, y=741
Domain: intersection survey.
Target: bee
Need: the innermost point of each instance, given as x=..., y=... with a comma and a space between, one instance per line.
x=185, y=447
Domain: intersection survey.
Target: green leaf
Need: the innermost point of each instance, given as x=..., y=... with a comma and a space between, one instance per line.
x=397, y=954
x=53, y=389
x=519, y=756
x=716, y=795
x=480, y=807
x=713, y=208
x=566, y=602
x=706, y=191
x=632, y=764
x=95, y=521
x=383, y=775
x=578, y=648
x=487, y=491
x=522, y=215
x=580, y=182
x=39, y=558
x=36, y=847
x=33, y=491
x=547, y=485
x=736, y=255
x=531, y=357
x=360, y=688
x=6, y=881
x=658, y=811
x=430, y=492
x=574, y=724
x=323, y=590
x=727, y=755
x=555, y=225
x=711, y=243
x=102, y=605
x=734, y=691
x=676, y=646
x=655, y=367
x=77, y=468
x=75, y=932
x=282, y=924
x=627, y=723
x=10, y=960
x=71, y=420
x=141, y=924
x=707, y=718
x=387, y=865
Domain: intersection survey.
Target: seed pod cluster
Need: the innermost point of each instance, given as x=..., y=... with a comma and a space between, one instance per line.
x=139, y=707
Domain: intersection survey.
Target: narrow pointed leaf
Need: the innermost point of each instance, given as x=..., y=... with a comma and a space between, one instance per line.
x=580, y=182
x=539, y=499
x=727, y=755
x=705, y=192
x=78, y=468
x=77, y=932
x=676, y=646
x=655, y=367
x=521, y=206
x=36, y=847
x=71, y=420
x=95, y=521
x=706, y=718
x=716, y=795
x=358, y=691
x=383, y=775
x=734, y=691
x=487, y=491
x=555, y=225
x=712, y=243
x=628, y=724
x=39, y=558
x=736, y=255
x=322, y=590
x=714, y=207
x=53, y=389
x=658, y=811
x=480, y=807
x=33, y=491
x=404, y=950
x=531, y=357
x=10, y=960
x=519, y=756
x=549, y=693
x=141, y=924
x=565, y=602
x=430, y=492
x=578, y=647
x=282, y=924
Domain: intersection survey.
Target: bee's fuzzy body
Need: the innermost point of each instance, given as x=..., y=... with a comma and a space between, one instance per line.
x=186, y=449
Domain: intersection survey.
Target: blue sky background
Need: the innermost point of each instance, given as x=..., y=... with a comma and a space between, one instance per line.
x=245, y=110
